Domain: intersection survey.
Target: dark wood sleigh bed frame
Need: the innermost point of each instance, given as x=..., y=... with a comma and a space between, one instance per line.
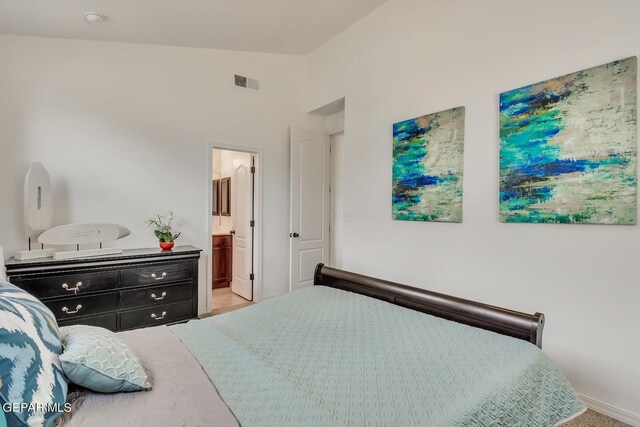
x=515, y=324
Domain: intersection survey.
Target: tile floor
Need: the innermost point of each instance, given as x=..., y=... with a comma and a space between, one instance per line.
x=224, y=300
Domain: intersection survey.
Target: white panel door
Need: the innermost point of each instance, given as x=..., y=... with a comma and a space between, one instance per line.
x=310, y=204
x=241, y=193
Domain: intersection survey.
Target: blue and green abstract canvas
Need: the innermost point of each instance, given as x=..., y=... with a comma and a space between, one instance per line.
x=568, y=148
x=428, y=154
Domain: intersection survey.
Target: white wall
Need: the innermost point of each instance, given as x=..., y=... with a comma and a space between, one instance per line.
x=334, y=123
x=217, y=165
x=124, y=131
x=413, y=57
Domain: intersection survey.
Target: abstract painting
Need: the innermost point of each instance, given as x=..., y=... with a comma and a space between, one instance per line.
x=568, y=148
x=428, y=154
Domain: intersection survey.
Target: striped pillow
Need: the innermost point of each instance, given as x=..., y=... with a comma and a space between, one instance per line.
x=30, y=371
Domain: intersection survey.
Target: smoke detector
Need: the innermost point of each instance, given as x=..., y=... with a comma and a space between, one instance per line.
x=93, y=17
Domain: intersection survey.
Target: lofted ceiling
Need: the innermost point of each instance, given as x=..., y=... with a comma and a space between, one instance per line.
x=277, y=26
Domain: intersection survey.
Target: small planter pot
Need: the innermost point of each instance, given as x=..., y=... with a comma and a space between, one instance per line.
x=166, y=246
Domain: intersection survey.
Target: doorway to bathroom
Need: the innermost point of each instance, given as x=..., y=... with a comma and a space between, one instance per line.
x=233, y=213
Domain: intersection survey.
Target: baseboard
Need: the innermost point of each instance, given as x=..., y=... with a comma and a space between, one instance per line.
x=266, y=297
x=611, y=411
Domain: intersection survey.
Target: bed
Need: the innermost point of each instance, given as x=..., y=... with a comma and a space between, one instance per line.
x=350, y=350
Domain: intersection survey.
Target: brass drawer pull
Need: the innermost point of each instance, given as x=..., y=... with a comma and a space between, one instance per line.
x=153, y=316
x=66, y=310
x=74, y=290
x=153, y=276
x=164, y=294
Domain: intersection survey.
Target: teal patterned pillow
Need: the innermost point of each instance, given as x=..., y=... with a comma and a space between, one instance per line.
x=98, y=359
x=30, y=371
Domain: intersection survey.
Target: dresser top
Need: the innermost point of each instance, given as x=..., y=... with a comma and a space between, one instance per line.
x=128, y=254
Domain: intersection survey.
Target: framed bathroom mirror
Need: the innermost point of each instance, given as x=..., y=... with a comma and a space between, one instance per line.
x=216, y=197
x=225, y=197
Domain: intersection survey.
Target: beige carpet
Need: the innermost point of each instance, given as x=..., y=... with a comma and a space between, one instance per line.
x=594, y=419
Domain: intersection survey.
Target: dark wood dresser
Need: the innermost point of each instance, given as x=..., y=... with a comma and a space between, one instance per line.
x=222, y=260
x=138, y=288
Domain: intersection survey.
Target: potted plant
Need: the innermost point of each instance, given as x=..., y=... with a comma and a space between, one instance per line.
x=162, y=225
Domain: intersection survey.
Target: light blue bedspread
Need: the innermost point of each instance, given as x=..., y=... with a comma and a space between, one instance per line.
x=325, y=357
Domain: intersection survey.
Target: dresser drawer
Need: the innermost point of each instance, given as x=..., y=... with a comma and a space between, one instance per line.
x=69, y=308
x=156, y=273
x=108, y=321
x=156, y=295
x=69, y=284
x=155, y=315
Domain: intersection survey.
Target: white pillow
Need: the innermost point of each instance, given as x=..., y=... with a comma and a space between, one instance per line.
x=3, y=272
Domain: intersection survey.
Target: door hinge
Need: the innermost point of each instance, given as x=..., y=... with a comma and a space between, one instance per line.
x=252, y=276
x=252, y=223
x=253, y=169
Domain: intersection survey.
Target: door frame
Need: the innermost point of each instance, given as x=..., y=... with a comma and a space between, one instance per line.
x=332, y=221
x=258, y=202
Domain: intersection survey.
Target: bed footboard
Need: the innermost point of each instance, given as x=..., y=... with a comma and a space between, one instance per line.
x=519, y=325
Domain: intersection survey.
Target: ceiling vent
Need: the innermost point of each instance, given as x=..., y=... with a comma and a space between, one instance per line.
x=247, y=83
